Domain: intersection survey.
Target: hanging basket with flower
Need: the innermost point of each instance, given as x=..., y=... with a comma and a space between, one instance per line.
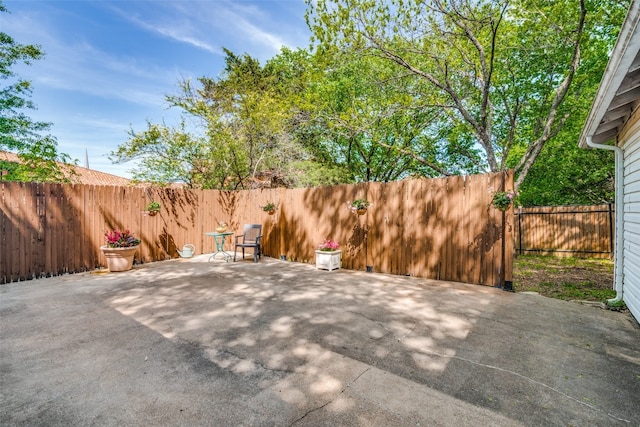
x=503, y=199
x=359, y=206
x=152, y=208
x=269, y=208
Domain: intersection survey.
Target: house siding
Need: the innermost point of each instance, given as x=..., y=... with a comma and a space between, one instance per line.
x=629, y=141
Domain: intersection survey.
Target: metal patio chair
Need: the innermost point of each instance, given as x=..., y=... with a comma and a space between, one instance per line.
x=250, y=238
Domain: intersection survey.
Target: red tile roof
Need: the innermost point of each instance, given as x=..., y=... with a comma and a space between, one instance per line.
x=83, y=175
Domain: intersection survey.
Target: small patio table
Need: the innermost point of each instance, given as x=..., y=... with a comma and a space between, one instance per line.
x=219, y=239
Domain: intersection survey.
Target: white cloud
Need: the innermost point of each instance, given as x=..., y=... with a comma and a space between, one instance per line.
x=251, y=22
x=211, y=25
x=94, y=85
x=259, y=35
x=81, y=67
x=173, y=31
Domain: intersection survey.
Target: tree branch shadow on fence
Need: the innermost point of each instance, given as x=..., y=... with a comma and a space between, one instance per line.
x=414, y=227
x=166, y=241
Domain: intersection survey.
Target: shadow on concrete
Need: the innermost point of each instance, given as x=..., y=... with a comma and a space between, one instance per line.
x=279, y=343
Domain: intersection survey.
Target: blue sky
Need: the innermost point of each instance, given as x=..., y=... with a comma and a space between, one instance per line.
x=108, y=64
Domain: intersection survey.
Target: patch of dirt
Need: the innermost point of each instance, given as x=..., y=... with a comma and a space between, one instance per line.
x=564, y=278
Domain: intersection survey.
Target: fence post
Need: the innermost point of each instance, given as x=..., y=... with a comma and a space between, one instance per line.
x=519, y=230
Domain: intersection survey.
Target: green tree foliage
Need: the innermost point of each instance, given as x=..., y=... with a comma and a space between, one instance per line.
x=169, y=154
x=565, y=174
x=374, y=130
x=18, y=132
x=295, y=74
x=568, y=175
x=241, y=131
x=401, y=88
x=502, y=76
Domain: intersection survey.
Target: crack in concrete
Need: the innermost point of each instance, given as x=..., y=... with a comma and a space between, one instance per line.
x=411, y=330
x=254, y=362
x=348, y=385
x=497, y=368
x=377, y=322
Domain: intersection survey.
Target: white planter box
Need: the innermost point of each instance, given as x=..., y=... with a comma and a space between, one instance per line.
x=326, y=260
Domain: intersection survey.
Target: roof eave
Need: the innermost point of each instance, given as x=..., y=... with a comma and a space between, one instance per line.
x=623, y=55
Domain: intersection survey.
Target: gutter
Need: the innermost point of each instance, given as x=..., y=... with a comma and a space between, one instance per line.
x=622, y=57
x=618, y=254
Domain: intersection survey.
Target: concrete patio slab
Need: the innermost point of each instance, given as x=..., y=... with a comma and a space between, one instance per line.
x=191, y=342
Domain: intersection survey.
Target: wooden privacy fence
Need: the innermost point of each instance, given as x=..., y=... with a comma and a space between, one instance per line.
x=585, y=231
x=443, y=229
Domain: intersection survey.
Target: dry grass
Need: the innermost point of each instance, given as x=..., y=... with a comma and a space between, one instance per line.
x=564, y=278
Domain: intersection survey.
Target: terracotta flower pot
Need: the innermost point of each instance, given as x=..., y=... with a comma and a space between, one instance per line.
x=119, y=259
x=361, y=211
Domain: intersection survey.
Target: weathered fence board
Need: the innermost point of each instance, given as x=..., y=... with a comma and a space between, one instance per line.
x=435, y=228
x=585, y=231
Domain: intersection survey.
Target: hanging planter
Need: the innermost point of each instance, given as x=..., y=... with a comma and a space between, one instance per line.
x=269, y=208
x=502, y=200
x=359, y=206
x=152, y=208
